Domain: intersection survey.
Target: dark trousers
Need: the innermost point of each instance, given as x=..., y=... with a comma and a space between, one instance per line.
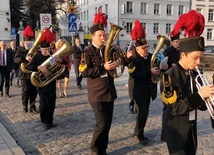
x=16, y=75
x=142, y=107
x=177, y=151
x=47, y=103
x=29, y=92
x=78, y=75
x=103, y=113
x=5, y=77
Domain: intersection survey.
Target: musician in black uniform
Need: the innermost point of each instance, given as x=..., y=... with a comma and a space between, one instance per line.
x=144, y=89
x=101, y=88
x=180, y=96
x=47, y=93
x=29, y=92
x=173, y=52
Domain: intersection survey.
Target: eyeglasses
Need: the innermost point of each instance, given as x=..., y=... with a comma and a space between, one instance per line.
x=146, y=47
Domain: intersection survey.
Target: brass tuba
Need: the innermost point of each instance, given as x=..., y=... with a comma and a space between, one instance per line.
x=55, y=70
x=32, y=52
x=117, y=56
x=162, y=40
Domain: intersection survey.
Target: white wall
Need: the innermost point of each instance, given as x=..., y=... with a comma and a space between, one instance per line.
x=5, y=26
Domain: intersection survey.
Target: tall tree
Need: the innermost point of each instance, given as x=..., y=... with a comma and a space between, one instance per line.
x=17, y=12
x=35, y=7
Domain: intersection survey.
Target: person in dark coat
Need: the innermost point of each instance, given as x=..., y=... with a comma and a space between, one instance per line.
x=47, y=94
x=144, y=89
x=100, y=85
x=29, y=92
x=6, y=66
x=77, y=48
x=180, y=96
x=173, y=52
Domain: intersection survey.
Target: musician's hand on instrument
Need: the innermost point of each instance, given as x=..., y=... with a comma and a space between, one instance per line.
x=155, y=71
x=207, y=91
x=165, y=67
x=43, y=70
x=28, y=58
x=129, y=53
x=110, y=65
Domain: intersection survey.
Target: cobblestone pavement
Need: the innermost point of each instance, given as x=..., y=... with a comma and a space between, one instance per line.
x=75, y=122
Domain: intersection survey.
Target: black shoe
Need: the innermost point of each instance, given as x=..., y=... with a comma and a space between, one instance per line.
x=79, y=87
x=52, y=125
x=34, y=111
x=1, y=93
x=131, y=108
x=46, y=126
x=7, y=95
x=143, y=141
x=25, y=109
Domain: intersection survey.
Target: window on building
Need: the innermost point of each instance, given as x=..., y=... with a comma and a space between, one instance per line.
x=156, y=8
x=87, y=15
x=209, y=34
x=199, y=10
x=169, y=9
x=210, y=15
x=144, y=26
x=156, y=28
x=180, y=10
x=143, y=8
x=84, y=16
x=128, y=27
x=81, y=16
x=168, y=28
x=106, y=8
x=95, y=10
x=129, y=7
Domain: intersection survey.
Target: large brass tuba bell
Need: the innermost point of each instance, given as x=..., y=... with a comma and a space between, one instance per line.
x=117, y=56
x=39, y=80
x=32, y=52
x=162, y=40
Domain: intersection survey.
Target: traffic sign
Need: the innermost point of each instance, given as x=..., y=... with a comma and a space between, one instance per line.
x=72, y=27
x=13, y=31
x=72, y=24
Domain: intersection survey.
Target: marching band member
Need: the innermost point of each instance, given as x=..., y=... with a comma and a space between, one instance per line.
x=141, y=72
x=180, y=96
x=100, y=85
x=29, y=92
x=47, y=94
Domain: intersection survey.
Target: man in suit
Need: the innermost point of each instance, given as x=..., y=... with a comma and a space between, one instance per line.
x=13, y=49
x=78, y=48
x=6, y=64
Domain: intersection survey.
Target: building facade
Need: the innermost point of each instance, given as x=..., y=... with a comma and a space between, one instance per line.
x=206, y=7
x=5, y=20
x=157, y=17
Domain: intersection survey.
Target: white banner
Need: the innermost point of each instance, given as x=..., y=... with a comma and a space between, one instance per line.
x=45, y=20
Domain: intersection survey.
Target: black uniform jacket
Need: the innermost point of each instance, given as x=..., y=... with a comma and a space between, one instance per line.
x=142, y=77
x=100, y=89
x=77, y=54
x=20, y=58
x=173, y=54
x=177, y=129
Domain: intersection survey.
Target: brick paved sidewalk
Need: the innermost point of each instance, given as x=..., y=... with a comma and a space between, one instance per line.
x=75, y=122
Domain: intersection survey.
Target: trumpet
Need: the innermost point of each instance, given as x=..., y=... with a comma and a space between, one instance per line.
x=204, y=82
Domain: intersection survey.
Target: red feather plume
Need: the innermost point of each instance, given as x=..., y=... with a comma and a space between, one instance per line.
x=47, y=36
x=138, y=31
x=100, y=18
x=192, y=23
x=28, y=32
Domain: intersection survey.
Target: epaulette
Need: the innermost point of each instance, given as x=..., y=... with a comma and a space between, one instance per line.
x=169, y=96
x=83, y=65
x=131, y=68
